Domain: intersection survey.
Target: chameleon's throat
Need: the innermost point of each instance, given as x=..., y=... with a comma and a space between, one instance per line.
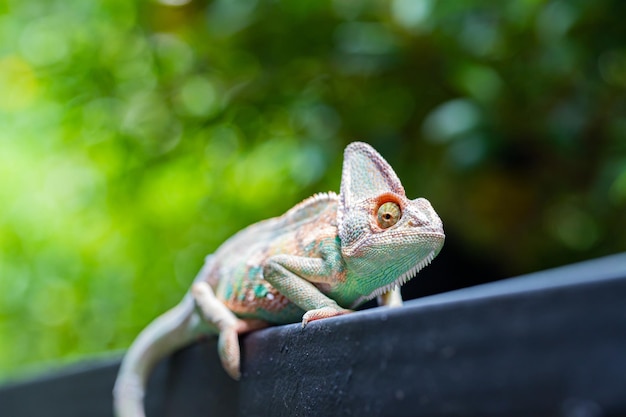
x=398, y=281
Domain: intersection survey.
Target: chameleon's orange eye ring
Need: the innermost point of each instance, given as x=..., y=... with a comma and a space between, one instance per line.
x=388, y=214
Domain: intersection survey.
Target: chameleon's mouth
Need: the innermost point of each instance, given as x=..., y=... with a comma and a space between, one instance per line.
x=401, y=280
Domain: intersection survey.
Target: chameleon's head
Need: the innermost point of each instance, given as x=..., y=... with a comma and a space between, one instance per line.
x=385, y=237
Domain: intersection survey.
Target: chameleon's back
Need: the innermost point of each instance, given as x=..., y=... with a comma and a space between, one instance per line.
x=237, y=272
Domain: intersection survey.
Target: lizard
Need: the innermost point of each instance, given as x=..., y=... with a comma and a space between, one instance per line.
x=322, y=258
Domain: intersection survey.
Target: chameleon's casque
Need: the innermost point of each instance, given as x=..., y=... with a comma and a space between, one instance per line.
x=325, y=256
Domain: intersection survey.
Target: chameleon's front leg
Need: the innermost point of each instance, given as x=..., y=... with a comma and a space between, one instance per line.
x=392, y=298
x=294, y=276
x=228, y=326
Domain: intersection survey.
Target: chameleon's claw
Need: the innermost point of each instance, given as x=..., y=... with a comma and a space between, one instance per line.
x=322, y=313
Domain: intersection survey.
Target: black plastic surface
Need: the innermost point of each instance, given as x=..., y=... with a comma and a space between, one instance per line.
x=546, y=344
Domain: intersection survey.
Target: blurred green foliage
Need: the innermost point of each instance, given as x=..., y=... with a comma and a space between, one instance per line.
x=135, y=136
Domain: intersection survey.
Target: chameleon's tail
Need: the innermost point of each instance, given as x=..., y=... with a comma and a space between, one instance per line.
x=169, y=332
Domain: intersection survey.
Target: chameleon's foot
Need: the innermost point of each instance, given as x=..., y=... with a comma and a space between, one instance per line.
x=216, y=313
x=228, y=350
x=392, y=298
x=228, y=344
x=322, y=313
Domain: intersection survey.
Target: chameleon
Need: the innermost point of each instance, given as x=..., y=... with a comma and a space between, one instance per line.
x=322, y=258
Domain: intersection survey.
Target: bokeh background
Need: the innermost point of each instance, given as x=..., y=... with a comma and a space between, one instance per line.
x=135, y=136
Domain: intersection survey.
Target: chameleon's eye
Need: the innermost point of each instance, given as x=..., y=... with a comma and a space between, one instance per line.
x=388, y=214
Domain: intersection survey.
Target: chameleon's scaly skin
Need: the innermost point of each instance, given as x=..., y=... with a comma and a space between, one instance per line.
x=325, y=256
x=309, y=231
